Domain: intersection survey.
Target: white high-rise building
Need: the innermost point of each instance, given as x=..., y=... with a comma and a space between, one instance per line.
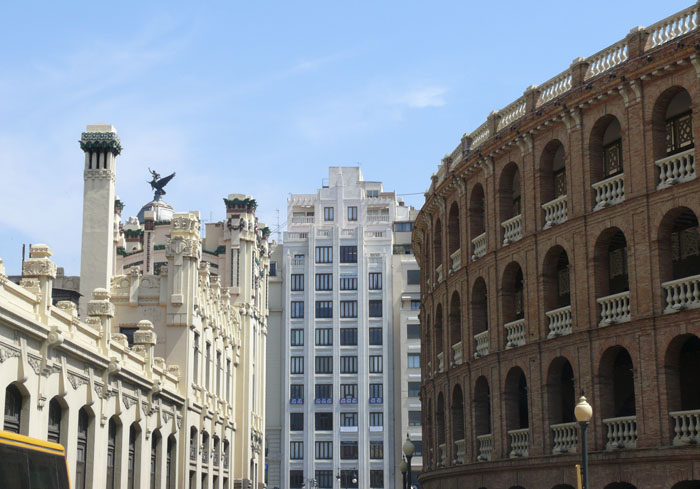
x=337, y=335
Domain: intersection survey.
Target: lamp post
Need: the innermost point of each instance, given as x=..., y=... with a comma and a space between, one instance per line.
x=584, y=412
x=408, y=449
x=403, y=466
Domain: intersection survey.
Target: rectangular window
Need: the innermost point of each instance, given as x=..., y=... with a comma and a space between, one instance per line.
x=207, y=359
x=376, y=450
x=348, y=419
x=403, y=227
x=296, y=479
x=296, y=392
x=297, y=310
x=375, y=336
x=348, y=309
x=297, y=282
x=324, y=393
x=297, y=337
x=297, y=366
x=414, y=418
x=296, y=421
x=376, y=479
x=415, y=305
x=324, y=421
x=376, y=419
x=296, y=450
x=413, y=331
x=196, y=358
x=273, y=269
x=348, y=450
x=219, y=367
x=348, y=254
x=328, y=213
x=376, y=393
x=348, y=282
x=375, y=309
x=352, y=213
x=324, y=478
x=324, y=309
x=348, y=336
x=346, y=479
x=375, y=281
x=413, y=389
x=413, y=277
x=372, y=194
x=348, y=392
x=376, y=364
x=324, y=365
x=418, y=448
x=324, y=254
x=324, y=281
x=324, y=337
x=348, y=364
x=324, y=450
x=414, y=360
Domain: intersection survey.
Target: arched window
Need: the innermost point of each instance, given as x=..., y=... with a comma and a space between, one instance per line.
x=480, y=317
x=440, y=425
x=557, y=292
x=55, y=417
x=437, y=244
x=679, y=258
x=456, y=328
x=205, y=447
x=82, y=449
x=553, y=183
x=517, y=415
x=477, y=221
x=561, y=398
x=458, y=424
x=606, y=162
x=618, y=408
x=155, y=447
x=439, y=356
x=134, y=433
x=111, y=453
x=672, y=127
x=453, y=229
x=170, y=463
x=685, y=245
x=510, y=205
x=193, y=444
x=482, y=407
x=13, y=409
x=682, y=367
x=612, y=278
x=513, y=297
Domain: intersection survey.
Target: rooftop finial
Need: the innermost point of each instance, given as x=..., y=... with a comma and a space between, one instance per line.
x=158, y=184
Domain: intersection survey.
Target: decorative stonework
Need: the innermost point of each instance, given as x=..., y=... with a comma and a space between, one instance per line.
x=183, y=247
x=76, y=380
x=7, y=352
x=185, y=224
x=101, y=141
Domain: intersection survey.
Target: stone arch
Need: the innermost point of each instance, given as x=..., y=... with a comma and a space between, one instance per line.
x=440, y=419
x=457, y=412
x=479, y=306
x=439, y=334
x=552, y=171
x=456, y=327
x=556, y=279
x=453, y=229
x=561, y=391
x=682, y=366
x=679, y=244
x=672, y=122
x=516, y=400
x=605, y=148
x=437, y=244
x=477, y=212
x=513, y=293
x=482, y=406
x=616, y=377
x=17, y=408
x=611, y=272
x=509, y=192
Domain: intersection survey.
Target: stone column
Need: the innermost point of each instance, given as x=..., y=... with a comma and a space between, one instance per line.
x=39, y=267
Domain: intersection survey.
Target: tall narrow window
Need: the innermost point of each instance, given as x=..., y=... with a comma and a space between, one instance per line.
x=375, y=281
x=208, y=366
x=131, y=477
x=169, y=479
x=55, y=414
x=111, y=452
x=228, y=380
x=82, y=449
x=352, y=213
x=328, y=213
x=219, y=367
x=348, y=254
x=155, y=442
x=297, y=280
x=196, y=358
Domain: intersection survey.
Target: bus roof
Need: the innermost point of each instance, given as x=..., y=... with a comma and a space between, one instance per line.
x=8, y=438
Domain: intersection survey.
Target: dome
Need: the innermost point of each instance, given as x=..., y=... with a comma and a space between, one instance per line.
x=161, y=211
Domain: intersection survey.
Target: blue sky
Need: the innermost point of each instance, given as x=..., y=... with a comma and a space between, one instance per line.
x=261, y=97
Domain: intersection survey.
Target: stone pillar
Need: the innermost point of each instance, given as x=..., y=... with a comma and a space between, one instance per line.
x=39, y=267
x=636, y=41
x=145, y=342
x=578, y=69
x=101, y=308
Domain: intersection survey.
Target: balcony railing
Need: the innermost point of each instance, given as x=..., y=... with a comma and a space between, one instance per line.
x=441, y=361
x=559, y=321
x=519, y=442
x=479, y=244
x=564, y=438
x=295, y=236
x=687, y=427
x=457, y=353
x=676, y=169
x=485, y=447
x=456, y=260
x=298, y=261
x=348, y=233
x=512, y=229
x=683, y=293
x=555, y=212
x=324, y=233
x=515, y=333
x=614, y=308
x=378, y=218
x=303, y=220
x=442, y=450
x=622, y=432
x=609, y=192
x=481, y=342
x=460, y=451
x=438, y=274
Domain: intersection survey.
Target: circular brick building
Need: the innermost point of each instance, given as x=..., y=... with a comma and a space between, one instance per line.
x=560, y=253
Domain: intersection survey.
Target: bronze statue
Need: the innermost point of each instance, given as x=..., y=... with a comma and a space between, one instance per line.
x=158, y=184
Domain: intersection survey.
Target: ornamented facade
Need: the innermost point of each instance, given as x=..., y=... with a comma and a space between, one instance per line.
x=165, y=366
x=559, y=250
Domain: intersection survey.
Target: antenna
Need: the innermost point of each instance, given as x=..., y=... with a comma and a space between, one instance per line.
x=279, y=239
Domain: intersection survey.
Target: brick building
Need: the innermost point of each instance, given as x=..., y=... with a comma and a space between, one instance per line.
x=560, y=252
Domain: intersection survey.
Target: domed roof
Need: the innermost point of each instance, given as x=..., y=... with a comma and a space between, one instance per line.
x=161, y=211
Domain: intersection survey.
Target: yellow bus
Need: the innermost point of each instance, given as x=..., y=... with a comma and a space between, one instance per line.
x=29, y=463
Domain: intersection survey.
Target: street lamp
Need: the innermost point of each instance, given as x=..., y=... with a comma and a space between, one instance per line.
x=403, y=466
x=408, y=449
x=584, y=412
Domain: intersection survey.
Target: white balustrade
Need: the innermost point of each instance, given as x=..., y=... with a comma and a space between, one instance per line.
x=294, y=236
x=375, y=234
x=457, y=353
x=614, y=308
x=622, y=432
x=438, y=274
x=479, y=244
x=481, y=342
x=480, y=134
x=554, y=87
x=683, y=293
x=687, y=427
x=485, y=447
x=515, y=333
x=555, y=212
x=324, y=233
x=460, y=451
x=671, y=27
x=676, y=169
x=519, y=442
x=378, y=218
x=303, y=220
x=564, y=437
x=609, y=192
x=512, y=229
x=348, y=233
x=559, y=321
x=441, y=361
x=511, y=113
x=456, y=260
x=298, y=261
x=442, y=450
x=606, y=59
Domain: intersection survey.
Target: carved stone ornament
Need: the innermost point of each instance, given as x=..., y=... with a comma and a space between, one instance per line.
x=100, y=308
x=101, y=141
x=185, y=223
x=76, y=381
x=102, y=174
x=39, y=267
x=7, y=352
x=179, y=421
x=35, y=363
x=183, y=246
x=127, y=401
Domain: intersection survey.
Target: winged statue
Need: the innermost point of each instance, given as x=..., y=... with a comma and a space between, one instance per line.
x=158, y=184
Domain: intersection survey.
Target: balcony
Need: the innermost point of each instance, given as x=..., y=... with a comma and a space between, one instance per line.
x=378, y=218
x=438, y=274
x=441, y=362
x=375, y=234
x=348, y=429
x=460, y=452
x=609, y=192
x=683, y=293
x=512, y=229
x=456, y=260
x=622, y=432
x=348, y=233
x=676, y=169
x=481, y=344
x=294, y=236
x=485, y=443
x=519, y=442
x=303, y=220
x=457, y=353
x=479, y=244
x=614, y=308
x=298, y=261
x=324, y=233
x=687, y=427
x=515, y=333
x=555, y=212
x=442, y=457
x=564, y=438
x=559, y=321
